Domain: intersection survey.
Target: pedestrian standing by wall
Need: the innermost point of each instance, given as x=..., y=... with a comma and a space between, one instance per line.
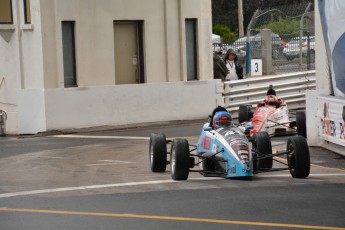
x=234, y=67
x=219, y=68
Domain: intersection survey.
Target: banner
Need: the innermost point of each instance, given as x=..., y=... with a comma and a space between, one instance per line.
x=332, y=15
x=331, y=118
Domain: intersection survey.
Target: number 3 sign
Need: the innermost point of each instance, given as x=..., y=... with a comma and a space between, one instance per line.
x=256, y=67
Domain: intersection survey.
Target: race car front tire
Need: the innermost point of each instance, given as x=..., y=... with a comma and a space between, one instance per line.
x=301, y=123
x=262, y=147
x=179, y=159
x=158, y=152
x=244, y=113
x=299, y=157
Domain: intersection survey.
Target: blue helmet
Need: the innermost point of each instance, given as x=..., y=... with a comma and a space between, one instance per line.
x=222, y=119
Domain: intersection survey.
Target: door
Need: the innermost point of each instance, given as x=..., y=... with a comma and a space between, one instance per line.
x=128, y=58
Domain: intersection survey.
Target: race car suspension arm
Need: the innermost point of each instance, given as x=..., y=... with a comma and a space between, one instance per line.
x=193, y=149
x=208, y=157
x=283, y=163
x=280, y=154
x=263, y=156
x=270, y=170
x=282, y=124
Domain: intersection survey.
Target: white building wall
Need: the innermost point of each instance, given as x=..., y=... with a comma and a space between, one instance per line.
x=85, y=107
x=10, y=71
x=33, y=58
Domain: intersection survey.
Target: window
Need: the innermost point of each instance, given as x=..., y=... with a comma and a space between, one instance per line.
x=6, y=12
x=191, y=49
x=68, y=46
x=27, y=12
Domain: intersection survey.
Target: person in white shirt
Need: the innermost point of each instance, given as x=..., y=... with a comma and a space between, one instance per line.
x=234, y=67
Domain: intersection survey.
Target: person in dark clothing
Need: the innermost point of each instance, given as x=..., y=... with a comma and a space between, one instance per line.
x=234, y=67
x=219, y=68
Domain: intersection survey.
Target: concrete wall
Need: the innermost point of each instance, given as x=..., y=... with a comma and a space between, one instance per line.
x=31, y=54
x=50, y=109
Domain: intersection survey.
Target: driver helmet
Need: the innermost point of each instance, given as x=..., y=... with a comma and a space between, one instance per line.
x=222, y=119
x=271, y=100
x=271, y=91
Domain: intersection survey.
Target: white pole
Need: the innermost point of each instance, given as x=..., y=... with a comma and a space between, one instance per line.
x=240, y=19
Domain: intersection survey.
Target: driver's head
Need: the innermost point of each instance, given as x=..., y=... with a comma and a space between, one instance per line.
x=271, y=91
x=271, y=100
x=222, y=119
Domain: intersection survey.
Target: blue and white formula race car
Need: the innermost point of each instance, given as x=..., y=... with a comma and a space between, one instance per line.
x=226, y=152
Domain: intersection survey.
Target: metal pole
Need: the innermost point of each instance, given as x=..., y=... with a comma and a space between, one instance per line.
x=308, y=51
x=301, y=35
x=240, y=19
x=248, y=42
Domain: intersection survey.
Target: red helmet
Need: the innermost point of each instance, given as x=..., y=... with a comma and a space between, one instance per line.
x=271, y=100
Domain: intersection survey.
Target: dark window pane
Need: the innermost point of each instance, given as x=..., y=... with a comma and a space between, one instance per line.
x=68, y=46
x=27, y=12
x=191, y=52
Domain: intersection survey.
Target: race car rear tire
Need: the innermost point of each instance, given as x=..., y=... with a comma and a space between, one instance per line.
x=301, y=123
x=299, y=157
x=262, y=147
x=244, y=113
x=179, y=159
x=158, y=152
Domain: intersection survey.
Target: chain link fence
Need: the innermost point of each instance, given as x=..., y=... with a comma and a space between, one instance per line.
x=292, y=44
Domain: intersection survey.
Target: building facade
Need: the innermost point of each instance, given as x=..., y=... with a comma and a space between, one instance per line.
x=69, y=45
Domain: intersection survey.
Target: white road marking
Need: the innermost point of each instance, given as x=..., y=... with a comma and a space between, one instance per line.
x=115, y=161
x=110, y=162
x=18, y=170
x=35, y=192
x=51, y=157
x=102, y=137
x=310, y=175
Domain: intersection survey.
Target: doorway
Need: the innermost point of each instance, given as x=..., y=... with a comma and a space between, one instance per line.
x=128, y=45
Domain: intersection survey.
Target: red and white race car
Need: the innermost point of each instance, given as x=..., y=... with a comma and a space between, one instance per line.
x=271, y=115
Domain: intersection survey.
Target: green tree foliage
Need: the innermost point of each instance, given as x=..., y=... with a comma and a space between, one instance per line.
x=224, y=32
x=225, y=12
x=282, y=26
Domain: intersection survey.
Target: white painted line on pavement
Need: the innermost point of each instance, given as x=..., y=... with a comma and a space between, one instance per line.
x=35, y=192
x=115, y=161
x=51, y=157
x=110, y=162
x=310, y=175
x=101, y=137
x=16, y=170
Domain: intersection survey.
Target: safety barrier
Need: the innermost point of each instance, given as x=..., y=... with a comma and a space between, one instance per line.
x=289, y=87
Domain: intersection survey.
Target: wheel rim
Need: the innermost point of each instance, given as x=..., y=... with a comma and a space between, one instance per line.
x=172, y=160
x=151, y=156
x=151, y=153
x=292, y=158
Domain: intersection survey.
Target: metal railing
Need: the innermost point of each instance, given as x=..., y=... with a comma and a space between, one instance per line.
x=289, y=87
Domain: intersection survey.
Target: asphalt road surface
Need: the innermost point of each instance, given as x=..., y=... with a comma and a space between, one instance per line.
x=102, y=180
